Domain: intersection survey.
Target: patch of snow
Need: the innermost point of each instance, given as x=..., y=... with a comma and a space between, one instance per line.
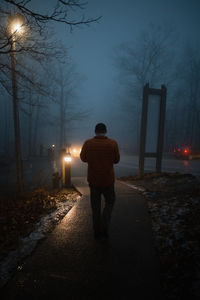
x=135, y=187
x=161, y=180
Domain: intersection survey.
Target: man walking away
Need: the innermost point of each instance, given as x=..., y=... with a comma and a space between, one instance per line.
x=101, y=152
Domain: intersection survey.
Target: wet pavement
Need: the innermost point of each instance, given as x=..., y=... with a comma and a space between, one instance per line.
x=71, y=264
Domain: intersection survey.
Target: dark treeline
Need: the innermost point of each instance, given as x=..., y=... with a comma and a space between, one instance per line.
x=37, y=80
x=46, y=76
x=49, y=87
x=158, y=57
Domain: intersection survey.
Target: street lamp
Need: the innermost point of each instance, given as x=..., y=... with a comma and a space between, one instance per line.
x=15, y=28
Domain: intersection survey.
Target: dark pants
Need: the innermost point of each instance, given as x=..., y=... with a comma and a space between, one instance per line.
x=101, y=220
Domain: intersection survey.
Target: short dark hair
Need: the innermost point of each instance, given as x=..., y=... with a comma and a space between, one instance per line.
x=100, y=128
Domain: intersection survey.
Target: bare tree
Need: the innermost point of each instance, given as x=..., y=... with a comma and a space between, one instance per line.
x=61, y=12
x=145, y=60
x=66, y=83
x=23, y=30
x=187, y=111
x=20, y=75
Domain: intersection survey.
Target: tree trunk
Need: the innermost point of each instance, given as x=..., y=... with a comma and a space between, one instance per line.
x=7, y=131
x=19, y=166
x=35, y=134
x=30, y=137
x=62, y=119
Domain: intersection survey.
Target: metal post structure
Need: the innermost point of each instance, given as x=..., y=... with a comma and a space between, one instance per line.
x=143, y=132
x=161, y=129
x=19, y=165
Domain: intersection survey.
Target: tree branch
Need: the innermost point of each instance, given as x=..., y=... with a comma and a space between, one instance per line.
x=58, y=14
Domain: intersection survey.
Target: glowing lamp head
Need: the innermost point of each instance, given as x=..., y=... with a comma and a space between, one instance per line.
x=16, y=24
x=67, y=158
x=17, y=27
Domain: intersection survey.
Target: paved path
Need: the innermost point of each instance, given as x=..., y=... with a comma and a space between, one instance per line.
x=71, y=264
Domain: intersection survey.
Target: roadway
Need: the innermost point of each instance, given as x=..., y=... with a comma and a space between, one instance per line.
x=38, y=171
x=128, y=166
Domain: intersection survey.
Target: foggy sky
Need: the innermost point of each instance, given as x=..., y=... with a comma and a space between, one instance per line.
x=92, y=48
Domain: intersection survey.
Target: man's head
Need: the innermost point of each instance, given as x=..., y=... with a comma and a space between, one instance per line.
x=100, y=129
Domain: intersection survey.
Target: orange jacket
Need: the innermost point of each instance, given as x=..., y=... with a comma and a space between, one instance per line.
x=100, y=153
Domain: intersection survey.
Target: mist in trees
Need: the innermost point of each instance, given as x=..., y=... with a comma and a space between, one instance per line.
x=74, y=71
x=48, y=99
x=159, y=57
x=29, y=51
x=184, y=118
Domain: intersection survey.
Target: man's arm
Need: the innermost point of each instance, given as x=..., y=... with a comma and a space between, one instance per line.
x=83, y=155
x=116, y=154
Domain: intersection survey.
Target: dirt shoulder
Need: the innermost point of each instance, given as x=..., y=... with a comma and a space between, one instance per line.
x=174, y=206
x=19, y=215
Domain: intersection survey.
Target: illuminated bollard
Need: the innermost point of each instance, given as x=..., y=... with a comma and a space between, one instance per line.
x=66, y=169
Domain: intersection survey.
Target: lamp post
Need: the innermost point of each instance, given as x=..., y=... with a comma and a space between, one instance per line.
x=15, y=27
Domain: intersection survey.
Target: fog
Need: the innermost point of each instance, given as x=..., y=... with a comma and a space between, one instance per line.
x=100, y=77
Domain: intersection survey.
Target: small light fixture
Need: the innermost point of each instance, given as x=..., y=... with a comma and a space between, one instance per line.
x=67, y=158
